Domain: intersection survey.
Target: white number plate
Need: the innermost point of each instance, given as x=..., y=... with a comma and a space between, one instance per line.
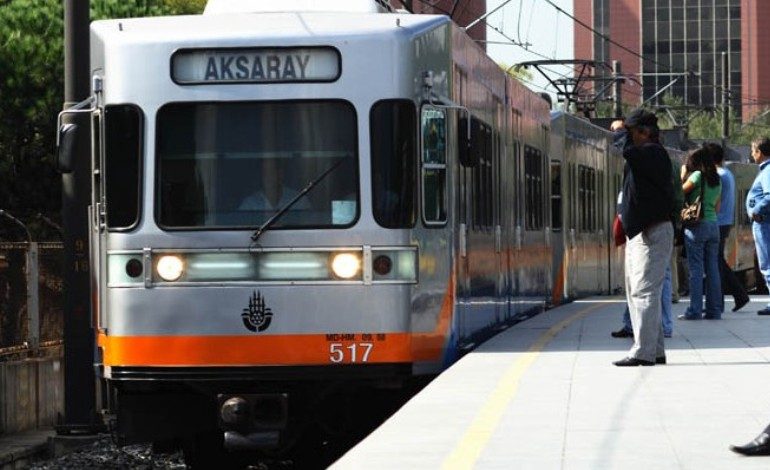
x=352, y=353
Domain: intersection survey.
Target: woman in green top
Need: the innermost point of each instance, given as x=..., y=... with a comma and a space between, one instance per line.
x=699, y=176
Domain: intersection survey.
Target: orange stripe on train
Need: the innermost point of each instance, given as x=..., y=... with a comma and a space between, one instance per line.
x=281, y=350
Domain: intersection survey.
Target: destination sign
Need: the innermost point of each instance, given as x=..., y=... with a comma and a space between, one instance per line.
x=210, y=66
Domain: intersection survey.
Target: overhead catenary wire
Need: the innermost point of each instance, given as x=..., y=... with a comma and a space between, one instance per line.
x=606, y=38
x=746, y=100
x=527, y=49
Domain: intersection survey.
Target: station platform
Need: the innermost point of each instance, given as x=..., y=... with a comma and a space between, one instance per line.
x=544, y=394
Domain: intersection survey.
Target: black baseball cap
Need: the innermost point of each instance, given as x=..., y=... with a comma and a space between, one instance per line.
x=640, y=117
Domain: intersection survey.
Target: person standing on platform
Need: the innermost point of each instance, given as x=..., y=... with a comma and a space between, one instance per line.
x=645, y=212
x=669, y=288
x=725, y=219
x=758, y=209
x=701, y=182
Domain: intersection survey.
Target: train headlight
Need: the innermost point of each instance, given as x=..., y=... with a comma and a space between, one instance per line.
x=170, y=267
x=346, y=265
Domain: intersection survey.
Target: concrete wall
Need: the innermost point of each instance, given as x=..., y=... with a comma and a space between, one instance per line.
x=31, y=394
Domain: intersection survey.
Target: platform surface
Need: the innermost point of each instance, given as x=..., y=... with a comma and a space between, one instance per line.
x=22, y=447
x=544, y=394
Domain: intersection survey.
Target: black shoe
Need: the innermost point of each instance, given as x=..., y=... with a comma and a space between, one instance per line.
x=740, y=303
x=687, y=317
x=759, y=446
x=764, y=311
x=622, y=333
x=633, y=362
x=660, y=360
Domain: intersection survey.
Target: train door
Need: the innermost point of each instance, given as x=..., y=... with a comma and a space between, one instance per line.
x=532, y=256
x=582, y=228
x=510, y=212
x=97, y=216
x=463, y=221
x=616, y=275
x=116, y=191
x=597, y=232
x=571, y=222
x=602, y=224
x=516, y=201
x=462, y=200
x=500, y=301
x=557, y=244
x=587, y=227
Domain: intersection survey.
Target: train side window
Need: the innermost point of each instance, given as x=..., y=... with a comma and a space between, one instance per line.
x=602, y=203
x=434, y=173
x=466, y=154
x=582, y=198
x=488, y=175
x=123, y=144
x=594, y=200
x=556, y=209
x=533, y=187
x=477, y=152
x=587, y=198
x=498, y=181
x=394, y=163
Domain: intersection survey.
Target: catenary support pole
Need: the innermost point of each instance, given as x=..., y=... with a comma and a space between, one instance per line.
x=616, y=74
x=79, y=377
x=725, y=99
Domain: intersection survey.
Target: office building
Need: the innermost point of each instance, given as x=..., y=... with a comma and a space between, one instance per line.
x=682, y=42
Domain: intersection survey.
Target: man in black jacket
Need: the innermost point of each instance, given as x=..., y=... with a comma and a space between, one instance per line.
x=648, y=200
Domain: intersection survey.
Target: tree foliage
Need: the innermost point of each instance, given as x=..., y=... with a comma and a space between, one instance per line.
x=31, y=93
x=706, y=124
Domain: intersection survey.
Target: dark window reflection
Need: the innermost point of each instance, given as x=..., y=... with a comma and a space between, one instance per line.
x=394, y=180
x=123, y=162
x=235, y=164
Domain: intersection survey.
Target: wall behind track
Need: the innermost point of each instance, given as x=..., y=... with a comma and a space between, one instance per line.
x=31, y=394
x=13, y=293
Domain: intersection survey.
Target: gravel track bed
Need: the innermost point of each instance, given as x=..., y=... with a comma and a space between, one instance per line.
x=104, y=454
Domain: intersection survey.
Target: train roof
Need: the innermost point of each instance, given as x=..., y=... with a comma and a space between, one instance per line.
x=265, y=25
x=576, y=124
x=241, y=6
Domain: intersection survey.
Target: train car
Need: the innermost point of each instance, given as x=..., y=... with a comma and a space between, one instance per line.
x=586, y=173
x=740, y=253
x=277, y=217
x=586, y=178
x=502, y=206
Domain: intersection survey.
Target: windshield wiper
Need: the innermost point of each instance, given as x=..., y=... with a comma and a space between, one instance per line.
x=279, y=213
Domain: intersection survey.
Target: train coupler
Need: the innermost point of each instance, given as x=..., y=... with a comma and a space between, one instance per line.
x=252, y=421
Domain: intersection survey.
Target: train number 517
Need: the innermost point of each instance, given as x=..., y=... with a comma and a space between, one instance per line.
x=356, y=352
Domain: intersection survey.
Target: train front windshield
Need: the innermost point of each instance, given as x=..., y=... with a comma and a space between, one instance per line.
x=231, y=165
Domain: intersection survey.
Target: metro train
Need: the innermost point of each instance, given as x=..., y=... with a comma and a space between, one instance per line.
x=293, y=198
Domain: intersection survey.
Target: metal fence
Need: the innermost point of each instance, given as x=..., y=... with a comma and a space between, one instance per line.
x=31, y=314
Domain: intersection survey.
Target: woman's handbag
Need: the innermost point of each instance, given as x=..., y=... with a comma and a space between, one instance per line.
x=692, y=213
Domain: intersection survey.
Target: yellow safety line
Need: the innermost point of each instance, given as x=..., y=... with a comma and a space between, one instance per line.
x=474, y=441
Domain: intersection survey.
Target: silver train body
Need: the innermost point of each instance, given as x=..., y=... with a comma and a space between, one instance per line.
x=416, y=179
x=740, y=253
x=586, y=178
